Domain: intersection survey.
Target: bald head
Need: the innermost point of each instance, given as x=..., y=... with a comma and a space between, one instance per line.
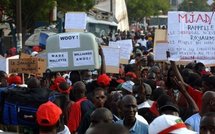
x=101, y=115
x=110, y=128
x=33, y=83
x=79, y=89
x=208, y=102
x=207, y=123
x=129, y=98
x=129, y=109
x=208, y=96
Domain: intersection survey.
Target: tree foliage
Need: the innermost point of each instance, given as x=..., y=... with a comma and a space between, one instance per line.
x=75, y=5
x=138, y=9
x=34, y=10
x=194, y=5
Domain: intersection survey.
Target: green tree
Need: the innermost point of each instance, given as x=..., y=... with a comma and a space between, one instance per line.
x=137, y=9
x=75, y=5
x=194, y=5
x=34, y=10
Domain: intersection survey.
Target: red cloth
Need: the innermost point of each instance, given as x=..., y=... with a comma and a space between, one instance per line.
x=182, y=102
x=12, y=51
x=103, y=80
x=154, y=109
x=75, y=115
x=120, y=81
x=196, y=95
x=14, y=79
x=131, y=74
x=56, y=83
x=65, y=91
x=36, y=48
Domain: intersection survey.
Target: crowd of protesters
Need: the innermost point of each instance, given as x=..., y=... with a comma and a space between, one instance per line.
x=146, y=97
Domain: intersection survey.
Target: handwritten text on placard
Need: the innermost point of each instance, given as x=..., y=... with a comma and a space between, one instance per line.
x=191, y=35
x=27, y=65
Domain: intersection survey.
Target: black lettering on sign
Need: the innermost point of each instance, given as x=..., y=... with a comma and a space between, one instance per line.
x=29, y=69
x=12, y=63
x=71, y=37
x=15, y=70
x=57, y=60
x=27, y=63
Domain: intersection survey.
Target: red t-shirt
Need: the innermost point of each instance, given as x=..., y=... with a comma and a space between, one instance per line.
x=154, y=109
x=196, y=95
x=75, y=115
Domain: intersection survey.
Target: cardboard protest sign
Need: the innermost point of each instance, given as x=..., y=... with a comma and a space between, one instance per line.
x=160, y=51
x=72, y=51
x=191, y=36
x=112, y=59
x=125, y=49
x=24, y=55
x=7, y=61
x=160, y=35
x=35, y=66
x=75, y=20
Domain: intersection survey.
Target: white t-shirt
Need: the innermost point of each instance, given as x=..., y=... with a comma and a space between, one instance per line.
x=145, y=104
x=142, y=42
x=141, y=119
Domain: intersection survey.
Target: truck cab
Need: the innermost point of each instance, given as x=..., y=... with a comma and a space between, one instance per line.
x=101, y=23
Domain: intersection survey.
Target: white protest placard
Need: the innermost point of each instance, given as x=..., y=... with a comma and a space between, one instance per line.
x=70, y=40
x=75, y=20
x=160, y=51
x=3, y=64
x=191, y=35
x=112, y=56
x=125, y=48
x=59, y=59
x=113, y=44
x=83, y=58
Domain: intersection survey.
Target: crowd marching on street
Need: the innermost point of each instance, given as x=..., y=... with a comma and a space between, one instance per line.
x=92, y=72
x=145, y=97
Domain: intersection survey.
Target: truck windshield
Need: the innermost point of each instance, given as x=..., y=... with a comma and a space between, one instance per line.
x=101, y=29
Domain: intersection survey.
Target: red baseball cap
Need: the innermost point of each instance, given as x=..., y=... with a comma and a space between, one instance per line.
x=48, y=114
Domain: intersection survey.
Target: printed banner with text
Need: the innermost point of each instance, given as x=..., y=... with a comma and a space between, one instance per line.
x=191, y=35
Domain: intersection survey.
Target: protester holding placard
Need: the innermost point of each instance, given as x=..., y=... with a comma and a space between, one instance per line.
x=77, y=56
